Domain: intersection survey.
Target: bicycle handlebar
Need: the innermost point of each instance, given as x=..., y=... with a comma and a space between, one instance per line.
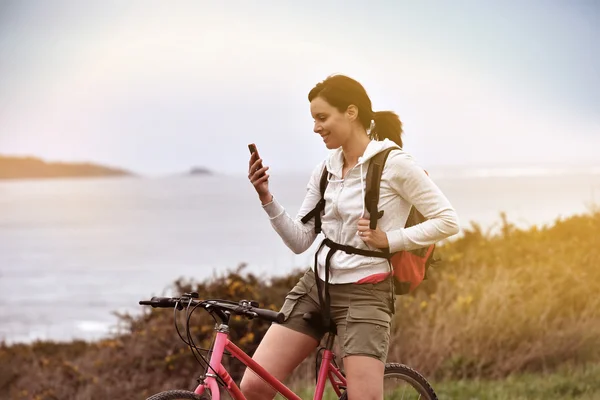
x=243, y=308
x=160, y=302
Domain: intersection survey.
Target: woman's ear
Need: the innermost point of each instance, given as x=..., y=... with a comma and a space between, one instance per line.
x=352, y=112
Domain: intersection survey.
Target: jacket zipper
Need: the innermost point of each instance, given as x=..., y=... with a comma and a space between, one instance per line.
x=337, y=211
x=337, y=203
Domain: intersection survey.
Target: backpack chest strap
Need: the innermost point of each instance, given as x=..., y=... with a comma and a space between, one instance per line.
x=353, y=250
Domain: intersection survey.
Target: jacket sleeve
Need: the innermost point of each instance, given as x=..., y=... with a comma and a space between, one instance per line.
x=413, y=184
x=296, y=235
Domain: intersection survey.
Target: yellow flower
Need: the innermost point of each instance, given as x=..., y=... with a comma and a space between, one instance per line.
x=464, y=301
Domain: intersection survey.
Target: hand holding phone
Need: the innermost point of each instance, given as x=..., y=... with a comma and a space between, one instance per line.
x=254, y=157
x=257, y=175
x=252, y=148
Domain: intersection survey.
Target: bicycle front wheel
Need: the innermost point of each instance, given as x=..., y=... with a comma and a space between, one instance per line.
x=403, y=383
x=177, y=395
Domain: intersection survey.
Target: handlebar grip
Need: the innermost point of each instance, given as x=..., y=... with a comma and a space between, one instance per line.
x=269, y=315
x=161, y=302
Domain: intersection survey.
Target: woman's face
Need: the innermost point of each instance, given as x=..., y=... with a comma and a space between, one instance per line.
x=333, y=126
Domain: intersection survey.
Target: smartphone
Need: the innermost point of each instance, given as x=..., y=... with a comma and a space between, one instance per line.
x=252, y=148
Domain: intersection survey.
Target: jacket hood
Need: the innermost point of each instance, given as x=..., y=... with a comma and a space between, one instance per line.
x=335, y=161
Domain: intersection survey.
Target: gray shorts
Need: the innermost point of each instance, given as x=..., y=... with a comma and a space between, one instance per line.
x=362, y=314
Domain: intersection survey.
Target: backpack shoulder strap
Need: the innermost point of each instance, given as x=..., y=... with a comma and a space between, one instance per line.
x=320, y=206
x=373, y=183
x=324, y=181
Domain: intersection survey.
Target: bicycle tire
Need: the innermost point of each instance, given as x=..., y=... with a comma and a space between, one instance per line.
x=178, y=395
x=407, y=375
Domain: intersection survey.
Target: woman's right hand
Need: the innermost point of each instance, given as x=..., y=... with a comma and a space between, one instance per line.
x=259, y=178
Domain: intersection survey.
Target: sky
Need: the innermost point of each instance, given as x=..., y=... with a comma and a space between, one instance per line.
x=158, y=87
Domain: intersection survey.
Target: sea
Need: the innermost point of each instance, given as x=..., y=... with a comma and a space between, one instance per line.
x=74, y=252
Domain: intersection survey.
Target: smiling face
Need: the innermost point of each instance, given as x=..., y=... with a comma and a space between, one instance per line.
x=332, y=125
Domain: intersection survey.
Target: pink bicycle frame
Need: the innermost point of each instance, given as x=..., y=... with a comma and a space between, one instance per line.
x=327, y=370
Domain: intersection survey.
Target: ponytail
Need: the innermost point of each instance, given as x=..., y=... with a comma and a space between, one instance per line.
x=387, y=126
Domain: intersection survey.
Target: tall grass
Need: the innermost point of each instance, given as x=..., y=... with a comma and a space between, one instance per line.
x=517, y=301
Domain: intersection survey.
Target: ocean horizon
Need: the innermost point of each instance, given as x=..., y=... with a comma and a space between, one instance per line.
x=73, y=251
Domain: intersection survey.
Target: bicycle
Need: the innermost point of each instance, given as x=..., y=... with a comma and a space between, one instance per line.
x=216, y=375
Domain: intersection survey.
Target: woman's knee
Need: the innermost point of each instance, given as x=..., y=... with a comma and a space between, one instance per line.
x=280, y=352
x=365, y=377
x=254, y=388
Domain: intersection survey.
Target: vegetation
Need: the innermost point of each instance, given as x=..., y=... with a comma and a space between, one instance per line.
x=568, y=382
x=510, y=315
x=29, y=167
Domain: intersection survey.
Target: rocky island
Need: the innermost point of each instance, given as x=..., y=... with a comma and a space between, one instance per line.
x=199, y=171
x=34, y=168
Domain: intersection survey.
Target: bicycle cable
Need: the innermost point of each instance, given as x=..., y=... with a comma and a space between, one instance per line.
x=225, y=352
x=176, y=325
x=317, y=364
x=193, y=346
x=188, y=342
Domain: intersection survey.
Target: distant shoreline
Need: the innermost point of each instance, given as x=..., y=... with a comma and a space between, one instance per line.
x=34, y=168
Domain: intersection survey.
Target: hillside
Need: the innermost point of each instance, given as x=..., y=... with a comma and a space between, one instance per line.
x=35, y=168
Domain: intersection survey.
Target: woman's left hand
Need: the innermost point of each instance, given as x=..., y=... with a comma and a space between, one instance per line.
x=373, y=237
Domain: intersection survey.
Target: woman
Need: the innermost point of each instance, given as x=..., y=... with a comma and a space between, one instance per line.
x=359, y=286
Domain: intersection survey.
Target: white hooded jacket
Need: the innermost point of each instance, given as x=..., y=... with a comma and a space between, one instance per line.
x=403, y=183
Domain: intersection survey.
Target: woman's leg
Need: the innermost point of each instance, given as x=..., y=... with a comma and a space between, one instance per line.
x=280, y=352
x=285, y=346
x=363, y=316
x=365, y=377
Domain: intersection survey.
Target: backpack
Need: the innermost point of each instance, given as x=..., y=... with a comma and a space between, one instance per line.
x=409, y=268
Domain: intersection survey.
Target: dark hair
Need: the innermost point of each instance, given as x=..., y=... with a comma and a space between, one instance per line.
x=341, y=91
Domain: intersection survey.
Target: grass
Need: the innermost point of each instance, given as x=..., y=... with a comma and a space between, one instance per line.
x=568, y=383
x=582, y=383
